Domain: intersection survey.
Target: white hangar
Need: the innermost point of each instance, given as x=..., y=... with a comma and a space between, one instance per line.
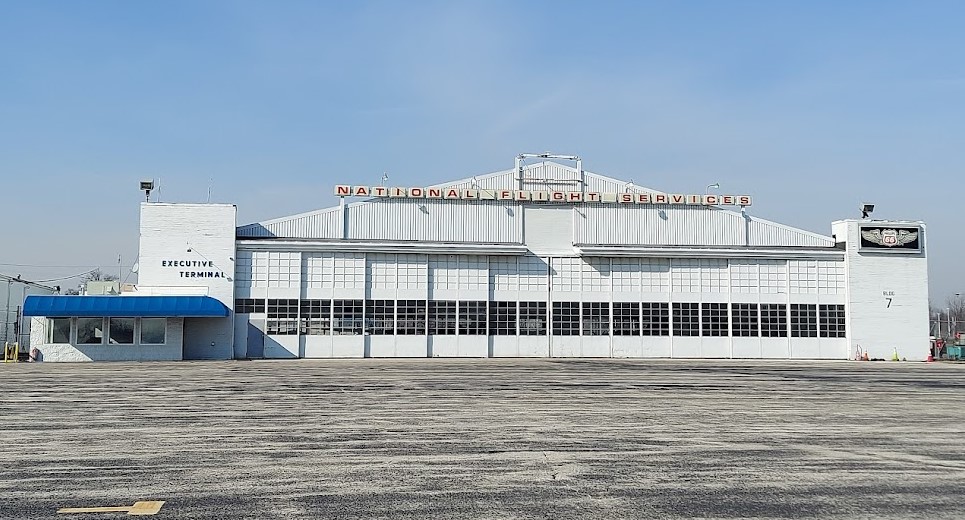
x=542, y=260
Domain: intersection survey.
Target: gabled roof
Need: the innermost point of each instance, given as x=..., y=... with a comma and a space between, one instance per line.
x=402, y=219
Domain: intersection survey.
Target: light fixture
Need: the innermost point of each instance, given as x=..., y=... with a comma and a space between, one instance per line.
x=715, y=186
x=146, y=187
x=867, y=209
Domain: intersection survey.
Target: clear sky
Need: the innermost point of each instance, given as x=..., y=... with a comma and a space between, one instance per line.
x=811, y=107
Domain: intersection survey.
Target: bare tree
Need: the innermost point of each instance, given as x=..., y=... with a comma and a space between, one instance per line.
x=94, y=276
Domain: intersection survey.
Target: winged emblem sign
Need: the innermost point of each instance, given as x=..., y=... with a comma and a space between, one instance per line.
x=889, y=237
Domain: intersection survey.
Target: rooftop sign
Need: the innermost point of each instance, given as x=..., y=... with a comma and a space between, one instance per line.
x=572, y=197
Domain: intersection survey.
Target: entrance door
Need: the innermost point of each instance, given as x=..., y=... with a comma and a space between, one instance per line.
x=256, y=339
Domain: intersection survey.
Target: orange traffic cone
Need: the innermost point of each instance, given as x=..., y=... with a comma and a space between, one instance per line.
x=864, y=356
x=930, y=358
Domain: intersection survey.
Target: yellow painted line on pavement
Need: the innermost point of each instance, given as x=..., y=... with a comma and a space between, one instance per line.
x=139, y=508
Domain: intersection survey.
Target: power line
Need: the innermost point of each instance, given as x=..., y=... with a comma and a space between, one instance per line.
x=69, y=277
x=60, y=266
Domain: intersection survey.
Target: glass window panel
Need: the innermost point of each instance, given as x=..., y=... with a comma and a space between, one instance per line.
x=566, y=318
x=153, y=331
x=472, y=318
x=121, y=331
x=58, y=330
x=90, y=331
x=532, y=318
x=686, y=319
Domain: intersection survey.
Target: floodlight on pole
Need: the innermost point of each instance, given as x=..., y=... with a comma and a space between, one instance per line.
x=866, y=209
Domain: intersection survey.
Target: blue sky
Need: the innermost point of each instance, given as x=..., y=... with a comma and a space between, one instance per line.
x=811, y=107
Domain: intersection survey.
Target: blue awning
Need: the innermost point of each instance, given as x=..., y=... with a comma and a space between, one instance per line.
x=124, y=306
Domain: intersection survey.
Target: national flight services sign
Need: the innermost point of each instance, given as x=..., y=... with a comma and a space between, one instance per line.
x=344, y=190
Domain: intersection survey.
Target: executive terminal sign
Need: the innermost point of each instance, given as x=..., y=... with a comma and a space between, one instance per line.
x=343, y=190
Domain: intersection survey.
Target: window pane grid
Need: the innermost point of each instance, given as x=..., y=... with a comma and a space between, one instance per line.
x=832, y=321
x=714, y=319
x=655, y=319
x=442, y=317
x=596, y=318
x=745, y=319
x=566, y=318
x=773, y=320
x=380, y=317
x=532, y=318
x=472, y=318
x=411, y=317
x=804, y=320
x=347, y=318
x=626, y=318
x=502, y=318
x=686, y=319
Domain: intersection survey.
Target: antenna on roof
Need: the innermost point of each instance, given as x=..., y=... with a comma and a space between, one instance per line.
x=385, y=177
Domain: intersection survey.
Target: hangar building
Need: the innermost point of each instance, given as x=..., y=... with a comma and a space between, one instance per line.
x=541, y=260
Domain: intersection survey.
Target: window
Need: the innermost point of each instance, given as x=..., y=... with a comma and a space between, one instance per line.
x=444, y=271
x=596, y=274
x=472, y=318
x=655, y=319
x=832, y=321
x=532, y=273
x=153, y=331
x=282, y=317
x=90, y=331
x=503, y=275
x=411, y=318
x=566, y=318
x=318, y=270
x=380, y=317
x=745, y=319
x=626, y=319
x=502, y=318
x=381, y=271
x=442, y=317
x=347, y=317
x=284, y=269
x=714, y=320
x=473, y=274
x=773, y=320
x=804, y=321
x=655, y=274
x=316, y=317
x=58, y=330
x=686, y=318
x=349, y=271
x=121, y=331
x=532, y=318
x=773, y=276
x=596, y=318
x=714, y=276
x=744, y=276
x=625, y=273
x=249, y=305
x=685, y=275
x=567, y=274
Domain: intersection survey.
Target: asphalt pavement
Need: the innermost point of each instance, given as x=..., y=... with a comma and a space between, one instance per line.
x=487, y=438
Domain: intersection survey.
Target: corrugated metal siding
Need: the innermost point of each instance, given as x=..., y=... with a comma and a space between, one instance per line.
x=439, y=221
x=682, y=226
x=326, y=223
x=770, y=233
x=497, y=222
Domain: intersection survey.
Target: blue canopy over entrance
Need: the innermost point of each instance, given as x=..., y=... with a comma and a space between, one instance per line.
x=60, y=306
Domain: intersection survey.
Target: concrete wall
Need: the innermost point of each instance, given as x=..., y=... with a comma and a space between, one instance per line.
x=192, y=246
x=887, y=293
x=68, y=352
